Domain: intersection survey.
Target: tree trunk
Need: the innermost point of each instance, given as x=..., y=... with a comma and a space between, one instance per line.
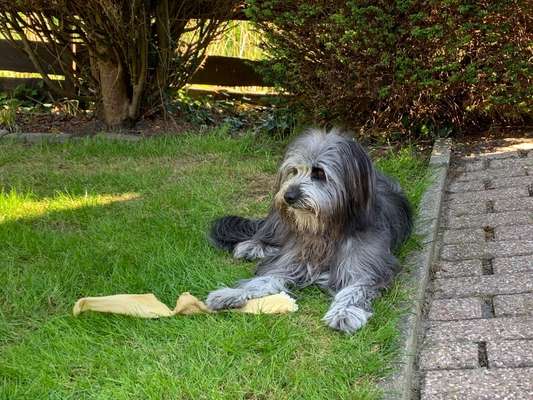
x=114, y=94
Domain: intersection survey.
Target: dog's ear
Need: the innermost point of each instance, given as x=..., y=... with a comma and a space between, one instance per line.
x=279, y=179
x=360, y=179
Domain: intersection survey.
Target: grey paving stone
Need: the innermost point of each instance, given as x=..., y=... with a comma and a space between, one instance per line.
x=498, y=183
x=510, y=248
x=479, y=330
x=513, y=204
x=512, y=163
x=510, y=353
x=451, y=236
x=37, y=137
x=444, y=269
x=513, y=304
x=478, y=384
x=499, y=155
x=512, y=265
x=458, y=252
x=470, y=166
x=482, y=196
x=467, y=186
x=450, y=309
x=508, y=182
x=451, y=355
x=491, y=174
x=492, y=219
x=519, y=232
x=483, y=285
x=453, y=209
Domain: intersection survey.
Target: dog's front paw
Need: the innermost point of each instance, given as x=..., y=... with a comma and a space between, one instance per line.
x=346, y=319
x=225, y=298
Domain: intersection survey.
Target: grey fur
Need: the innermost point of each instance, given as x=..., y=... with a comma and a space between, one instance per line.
x=253, y=250
x=335, y=222
x=351, y=308
x=246, y=290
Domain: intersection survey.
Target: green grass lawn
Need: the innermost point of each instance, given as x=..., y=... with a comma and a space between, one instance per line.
x=98, y=217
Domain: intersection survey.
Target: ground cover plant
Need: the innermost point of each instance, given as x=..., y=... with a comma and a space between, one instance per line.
x=98, y=217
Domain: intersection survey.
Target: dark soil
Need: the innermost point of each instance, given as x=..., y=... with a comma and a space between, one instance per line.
x=86, y=124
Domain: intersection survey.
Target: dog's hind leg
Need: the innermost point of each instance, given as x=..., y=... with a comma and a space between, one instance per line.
x=254, y=249
x=246, y=289
x=266, y=241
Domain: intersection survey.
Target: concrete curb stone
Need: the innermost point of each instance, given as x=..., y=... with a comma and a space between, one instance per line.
x=64, y=137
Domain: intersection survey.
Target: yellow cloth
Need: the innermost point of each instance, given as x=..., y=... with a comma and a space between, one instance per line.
x=148, y=306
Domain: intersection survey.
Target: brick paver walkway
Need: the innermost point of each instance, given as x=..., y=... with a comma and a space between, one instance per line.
x=478, y=340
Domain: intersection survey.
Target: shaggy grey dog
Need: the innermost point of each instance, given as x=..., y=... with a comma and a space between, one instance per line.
x=335, y=222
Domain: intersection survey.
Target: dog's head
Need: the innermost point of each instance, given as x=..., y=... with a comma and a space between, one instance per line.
x=326, y=181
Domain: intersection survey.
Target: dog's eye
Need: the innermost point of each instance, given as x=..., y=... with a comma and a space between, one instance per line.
x=293, y=171
x=318, y=174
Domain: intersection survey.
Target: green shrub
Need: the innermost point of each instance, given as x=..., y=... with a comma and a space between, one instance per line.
x=403, y=66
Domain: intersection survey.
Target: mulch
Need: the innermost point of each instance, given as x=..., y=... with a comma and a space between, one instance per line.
x=86, y=124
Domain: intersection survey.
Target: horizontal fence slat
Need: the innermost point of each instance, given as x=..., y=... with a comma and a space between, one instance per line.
x=228, y=71
x=14, y=59
x=216, y=70
x=9, y=84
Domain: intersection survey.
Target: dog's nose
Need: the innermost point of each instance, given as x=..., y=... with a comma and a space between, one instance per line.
x=292, y=194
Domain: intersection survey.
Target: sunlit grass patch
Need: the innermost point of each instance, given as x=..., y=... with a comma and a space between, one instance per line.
x=241, y=39
x=14, y=205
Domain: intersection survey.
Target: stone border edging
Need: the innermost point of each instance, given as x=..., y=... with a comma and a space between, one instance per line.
x=63, y=137
x=401, y=384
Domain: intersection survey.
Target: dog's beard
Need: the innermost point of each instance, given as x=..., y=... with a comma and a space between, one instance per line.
x=304, y=220
x=303, y=217
x=314, y=235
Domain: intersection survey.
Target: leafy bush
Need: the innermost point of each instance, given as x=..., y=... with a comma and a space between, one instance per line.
x=279, y=121
x=406, y=65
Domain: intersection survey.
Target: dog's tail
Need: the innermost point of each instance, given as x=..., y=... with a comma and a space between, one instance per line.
x=226, y=232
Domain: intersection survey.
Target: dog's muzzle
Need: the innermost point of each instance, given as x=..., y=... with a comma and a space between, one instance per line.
x=292, y=195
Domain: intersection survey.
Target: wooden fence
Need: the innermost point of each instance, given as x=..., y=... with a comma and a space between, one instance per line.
x=217, y=70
